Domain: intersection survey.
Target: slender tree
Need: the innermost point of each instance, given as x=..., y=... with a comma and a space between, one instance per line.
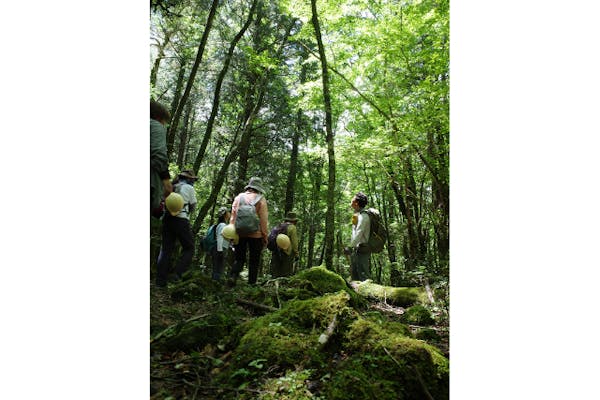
x=330, y=215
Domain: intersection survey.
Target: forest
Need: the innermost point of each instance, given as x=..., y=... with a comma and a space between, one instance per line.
x=320, y=99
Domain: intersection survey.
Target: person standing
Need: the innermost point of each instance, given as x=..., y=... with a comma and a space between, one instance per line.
x=220, y=251
x=253, y=242
x=160, y=180
x=358, y=248
x=176, y=226
x=282, y=262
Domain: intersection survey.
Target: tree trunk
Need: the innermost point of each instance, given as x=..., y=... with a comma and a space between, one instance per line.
x=217, y=96
x=314, y=206
x=192, y=77
x=250, y=115
x=184, y=134
x=291, y=180
x=216, y=186
x=330, y=215
x=159, y=57
x=176, y=98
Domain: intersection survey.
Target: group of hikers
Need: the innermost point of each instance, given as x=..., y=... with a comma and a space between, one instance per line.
x=240, y=232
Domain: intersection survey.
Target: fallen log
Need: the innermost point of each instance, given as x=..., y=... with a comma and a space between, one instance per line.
x=255, y=305
x=398, y=296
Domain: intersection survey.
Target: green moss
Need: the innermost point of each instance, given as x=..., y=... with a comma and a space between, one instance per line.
x=197, y=334
x=317, y=281
x=322, y=280
x=291, y=386
x=427, y=334
x=194, y=286
x=388, y=365
x=288, y=338
x=354, y=380
x=417, y=315
x=400, y=296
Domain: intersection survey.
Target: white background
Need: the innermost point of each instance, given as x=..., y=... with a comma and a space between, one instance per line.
x=74, y=296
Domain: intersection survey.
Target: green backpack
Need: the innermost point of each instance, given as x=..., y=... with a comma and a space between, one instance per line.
x=246, y=220
x=378, y=234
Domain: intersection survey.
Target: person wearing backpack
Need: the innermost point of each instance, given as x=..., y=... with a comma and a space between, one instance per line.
x=282, y=262
x=358, y=249
x=221, y=249
x=160, y=180
x=250, y=215
x=176, y=226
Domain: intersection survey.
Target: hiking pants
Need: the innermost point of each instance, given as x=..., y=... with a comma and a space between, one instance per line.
x=218, y=261
x=359, y=266
x=174, y=228
x=255, y=246
x=281, y=264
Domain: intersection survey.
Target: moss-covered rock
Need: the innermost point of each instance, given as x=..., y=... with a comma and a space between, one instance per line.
x=385, y=364
x=399, y=296
x=428, y=334
x=321, y=280
x=417, y=315
x=317, y=281
x=288, y=338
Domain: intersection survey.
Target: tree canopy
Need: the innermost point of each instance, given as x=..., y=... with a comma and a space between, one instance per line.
x=321, y=100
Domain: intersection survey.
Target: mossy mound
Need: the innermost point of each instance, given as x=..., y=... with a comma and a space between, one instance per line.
x=428, y=334
x=321, y=280
x=197, y=332
x=417, y=315
x=194, y=286
x=317, y=281
x=288, y=338
x=385, y=364
x=398, y=296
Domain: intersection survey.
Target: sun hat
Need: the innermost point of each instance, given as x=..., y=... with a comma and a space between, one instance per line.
x=291, y=217
x=188, y=174
x=256, y=184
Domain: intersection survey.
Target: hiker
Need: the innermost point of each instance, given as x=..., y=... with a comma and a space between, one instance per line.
x=160, y=180
x=358, y=249
x=221, y=251
x=176, y=225
x=282, y=259
x=252, y=239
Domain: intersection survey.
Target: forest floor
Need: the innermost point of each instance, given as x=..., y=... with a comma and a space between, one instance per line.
x=183, y=370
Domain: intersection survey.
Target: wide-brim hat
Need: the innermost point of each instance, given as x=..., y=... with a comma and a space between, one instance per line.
x=188, y=174
x=256, y=184
x=291, y=217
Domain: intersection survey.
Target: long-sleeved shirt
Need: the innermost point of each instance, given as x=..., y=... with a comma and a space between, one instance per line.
x=292, y=233
x=361, y=230
x=261, y=210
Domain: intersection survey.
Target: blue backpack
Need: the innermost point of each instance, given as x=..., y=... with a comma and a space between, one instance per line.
x=210, y=239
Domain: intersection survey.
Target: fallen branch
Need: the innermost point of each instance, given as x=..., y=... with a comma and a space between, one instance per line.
x=174, y=325
x=429, y=292
x=325, y=336
x=256, y=305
